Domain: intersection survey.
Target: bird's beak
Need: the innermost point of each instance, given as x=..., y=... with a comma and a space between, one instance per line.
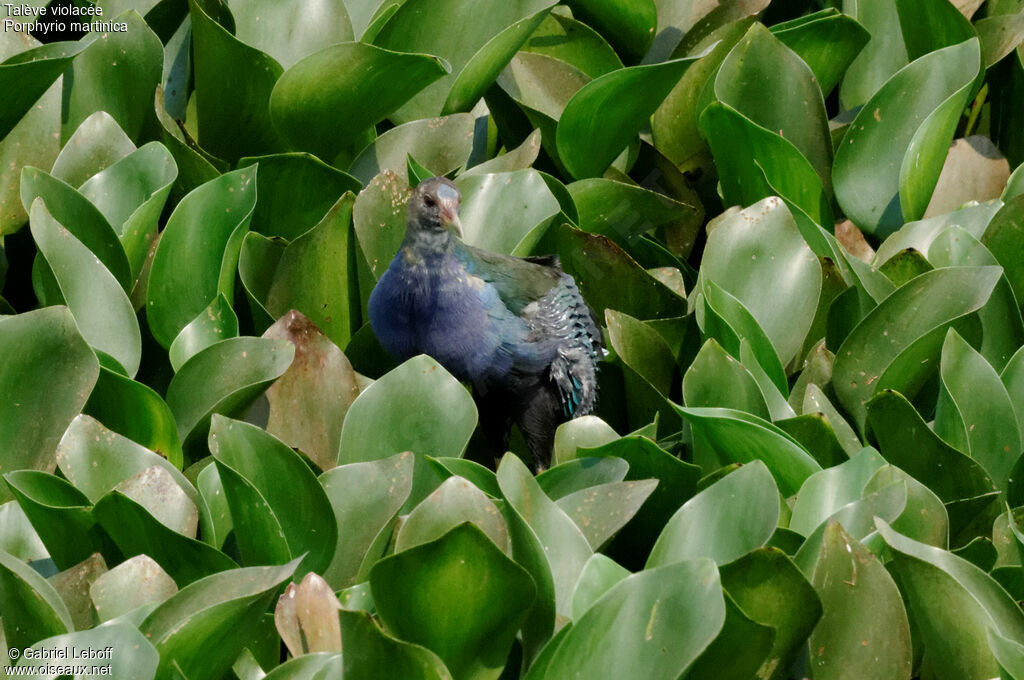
x=450, y=216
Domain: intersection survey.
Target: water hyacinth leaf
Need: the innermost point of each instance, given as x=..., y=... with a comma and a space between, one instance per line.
x=30, y=73
x=925, y=518
x=609, y=277
x=741, y=634
x=295, y=191
x=1003, y=237
x=214, y=513
x=815, y=434
x=437, y=420
x=758, y=67
x=81, y=217
x=519, y=158
x=499, y=210
x=481, y=477
x=974, y=412
x=677, y=482
x=17, y=537
x=279, y=476
x=379, y=217
x=758, y=582
x=224, y=378
x=927, y=27
x=564, y=546
x=96, y=459
x=60, y=515
x=312, y=275
x=99, y=304
x=287, y=34
x=233, y=82
x=33, y=142
x=745, y=501
x=589, y=141
x=759, y=257
x=440, y=144
x=371, y=652
x=427, y=26
x=32, y=608
x=828, y=41
x=136, y=532
x=454, y=502
x=365, y=497
x=999, y=35
x=134, y=583
x=583, y=432
x=815, y=400
x=1008, y=653
x=887, y=165
x=117, y=73
x=41, y=349
x=735, y=436
x=156, y=490
x=954, y=603
x=716, y=379
x=896, y=346
x=215, y=323
x=642, y=349
x=138, y=659
x=225, y=607
x=458, y=596
x=623, y=211
x=575, y=43
x=919, y=235
x=601, y=511
x=332, y=84
x=599, y=574
x=864, y=628
x=882, y=56
x=198, y=252
x=615, y=635
x=309, y=402
x=306, y=617
x=628, y=24
x=827, y=491
x=581, y=473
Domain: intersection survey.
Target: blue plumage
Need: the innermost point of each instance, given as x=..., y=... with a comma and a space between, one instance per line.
x=517, y=329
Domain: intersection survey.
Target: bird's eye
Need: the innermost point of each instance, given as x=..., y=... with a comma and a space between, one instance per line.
x=429, y=201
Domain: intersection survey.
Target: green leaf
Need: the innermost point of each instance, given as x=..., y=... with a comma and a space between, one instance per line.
x=370, y=653
x=920, y=235
x=59, y=514
x=591, y=132
x=760, y=66
x=17, y=537
x=426, y=26
x=233, y=82
x=98, y=143
x=1005, y=236
x=888, y=163
x=623, y=212
x=215, y=323
x=896, y=346
x=884, y=54
x=864, y=629
x=100, y=306
x=828, y=41
x=440, y=144
x=32, y=608
x=677, y=608
x=931, y=26
x=458, y=596
x=351, y=81
x=224, y=378
x=136, y=582
x=759, y=257
x=728, y=519
x=224, y=607
x=925, y=518
x=760, y=582
x=716, y=379
x=581, y=473
x=41, y=349
x=574, y=42
x=501, y=211
x=118, y=73
x=287, y=488
x=827, y=491
x=564, y=546
x=582, y=432
x=628, y=24
x=601, y=511
x=28, y=74
x=734, y=436
x=738, y=651
x=974, y=412
x=287, y=34
x=135, y=657
x=440, y=425
x=198, y=252
x=599, y=574
x=454, y=502
x=954, y=605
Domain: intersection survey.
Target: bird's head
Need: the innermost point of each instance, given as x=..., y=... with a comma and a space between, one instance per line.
x=434, y=206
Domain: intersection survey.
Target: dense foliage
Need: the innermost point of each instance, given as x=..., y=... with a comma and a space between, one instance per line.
x=796, y=222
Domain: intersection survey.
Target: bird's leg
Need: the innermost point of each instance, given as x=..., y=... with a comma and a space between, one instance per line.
x=492, y=408
x=538, y=419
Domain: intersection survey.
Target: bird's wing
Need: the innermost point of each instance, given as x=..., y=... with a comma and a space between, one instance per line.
x=517, y=280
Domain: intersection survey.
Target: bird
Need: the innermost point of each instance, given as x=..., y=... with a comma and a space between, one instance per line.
x=517, y=329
